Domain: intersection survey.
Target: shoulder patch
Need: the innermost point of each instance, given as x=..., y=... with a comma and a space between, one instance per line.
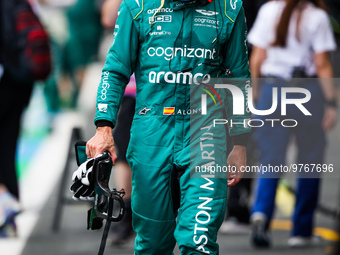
x=232, y=8
x=233, y=4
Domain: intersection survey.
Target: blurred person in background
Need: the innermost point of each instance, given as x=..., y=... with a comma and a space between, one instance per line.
x=20, y=65
x=81, y=48
x=121, y=231
x=291, y=39
x=334, y=10
x=238, y=203
x=76, y=32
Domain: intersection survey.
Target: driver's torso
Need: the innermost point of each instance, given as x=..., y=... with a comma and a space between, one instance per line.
x=179, y=36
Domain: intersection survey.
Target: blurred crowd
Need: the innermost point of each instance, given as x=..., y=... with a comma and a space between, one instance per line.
x=287, y=39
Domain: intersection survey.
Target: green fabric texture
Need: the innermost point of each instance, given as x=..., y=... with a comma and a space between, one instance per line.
x=164, y=140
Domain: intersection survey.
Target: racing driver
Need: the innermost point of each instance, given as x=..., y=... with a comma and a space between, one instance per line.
x=176, y=48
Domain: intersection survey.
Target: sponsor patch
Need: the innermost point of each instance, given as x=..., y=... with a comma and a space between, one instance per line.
x=233, y=4
x=144, y=111
x=152, y=11
x=160, y=18
x=170, y=52
x=186, y=78
x=102, y=107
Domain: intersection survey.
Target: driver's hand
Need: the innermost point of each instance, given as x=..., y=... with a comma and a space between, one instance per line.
x=102, y=141
x=236, y=159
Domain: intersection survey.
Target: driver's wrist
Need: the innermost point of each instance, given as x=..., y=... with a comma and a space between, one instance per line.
x=104, y=123
x=105, y=129
x=241, y=139
x=240, y=147
x=331, y=103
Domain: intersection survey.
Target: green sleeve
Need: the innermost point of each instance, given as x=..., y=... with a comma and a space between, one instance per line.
x=236, y=60
x=120, y=64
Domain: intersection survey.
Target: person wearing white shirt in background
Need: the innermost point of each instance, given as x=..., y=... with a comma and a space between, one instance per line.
x=291, y=39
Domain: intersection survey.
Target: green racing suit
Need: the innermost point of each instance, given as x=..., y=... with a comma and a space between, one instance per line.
x=172, y=49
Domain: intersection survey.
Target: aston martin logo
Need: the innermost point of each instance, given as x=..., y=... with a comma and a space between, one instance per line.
x=207, y=13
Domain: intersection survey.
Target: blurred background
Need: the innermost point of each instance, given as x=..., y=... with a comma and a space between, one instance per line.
x=61, y=110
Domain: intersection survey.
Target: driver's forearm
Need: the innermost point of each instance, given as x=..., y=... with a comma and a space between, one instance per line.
x=105, y=129
x=325, y=73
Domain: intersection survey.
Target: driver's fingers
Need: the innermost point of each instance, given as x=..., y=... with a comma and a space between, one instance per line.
x=88, y=152
x=231, y=182
x=113, y=154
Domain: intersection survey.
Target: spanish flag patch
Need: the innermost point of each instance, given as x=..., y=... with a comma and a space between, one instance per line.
x=168, y=110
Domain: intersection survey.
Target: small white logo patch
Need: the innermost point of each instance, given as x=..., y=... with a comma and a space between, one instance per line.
x=102, y=107
x=144, y=111
x=160, y=18
x=233, y=4
x=207, y=13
